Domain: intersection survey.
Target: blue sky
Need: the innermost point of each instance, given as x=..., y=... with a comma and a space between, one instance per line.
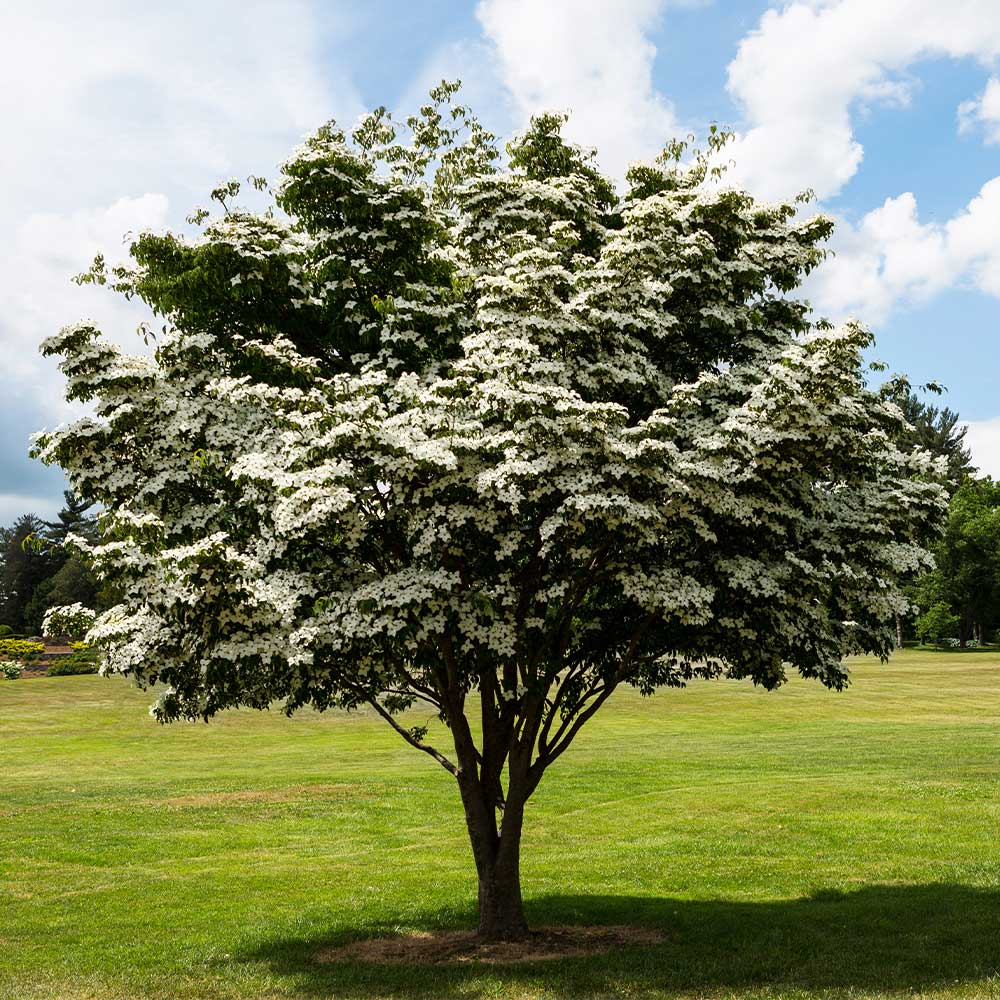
x=122, y=117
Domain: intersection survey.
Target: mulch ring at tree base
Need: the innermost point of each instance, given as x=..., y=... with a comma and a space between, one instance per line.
x=448, y=947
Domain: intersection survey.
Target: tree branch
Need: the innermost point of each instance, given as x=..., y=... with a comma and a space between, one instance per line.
x=412, y=740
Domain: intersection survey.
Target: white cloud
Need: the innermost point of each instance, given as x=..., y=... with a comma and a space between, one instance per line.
x=50, y=249
x=118, y=118
x=799, y=76
x=891, y=257
x=102, y=98
x=984, y=111
x=982, y=438
x=475, y=62
x=591, y=58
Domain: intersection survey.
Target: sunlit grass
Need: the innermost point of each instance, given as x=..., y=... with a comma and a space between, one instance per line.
x=795, y=844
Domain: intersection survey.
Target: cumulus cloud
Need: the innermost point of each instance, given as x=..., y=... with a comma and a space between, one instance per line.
x=982, y=438
x=983, y=111
x=591, y=58
x=118, y=119
x=807, y=66
x=892, y=257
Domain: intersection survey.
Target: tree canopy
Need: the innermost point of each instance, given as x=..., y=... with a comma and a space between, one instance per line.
x=22, y=570
x=966, y=577
x=937, y=431
x=494, y=439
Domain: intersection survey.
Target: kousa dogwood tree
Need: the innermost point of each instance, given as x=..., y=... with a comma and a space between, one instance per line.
x=489, y=436
x=74, y=620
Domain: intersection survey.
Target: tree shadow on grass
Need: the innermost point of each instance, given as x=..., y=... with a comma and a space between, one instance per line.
x=882, y=937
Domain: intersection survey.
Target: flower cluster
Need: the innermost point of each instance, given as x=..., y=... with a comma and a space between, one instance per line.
x=73, y=620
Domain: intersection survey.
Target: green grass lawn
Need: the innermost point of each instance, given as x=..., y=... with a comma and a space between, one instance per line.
x=794, y=844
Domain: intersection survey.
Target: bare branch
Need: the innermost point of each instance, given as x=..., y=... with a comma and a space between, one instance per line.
x=412, y=740
x=543, y=761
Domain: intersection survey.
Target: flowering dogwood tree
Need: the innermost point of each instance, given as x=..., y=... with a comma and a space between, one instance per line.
x=73, y=620
x=494, y=440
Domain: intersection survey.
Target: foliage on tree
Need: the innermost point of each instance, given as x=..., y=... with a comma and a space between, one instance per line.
x=74, y=583
x=73, y=620
x=937, y=431
x=936, y=623
x=38, y=569
x=72, y=520
x=967, y=574
x=23, y=569
x=493, y=441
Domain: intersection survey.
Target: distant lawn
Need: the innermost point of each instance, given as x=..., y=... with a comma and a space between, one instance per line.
x=797, y=844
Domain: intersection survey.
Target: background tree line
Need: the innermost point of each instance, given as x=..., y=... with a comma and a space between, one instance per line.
x=38, y=572
x=960, y=598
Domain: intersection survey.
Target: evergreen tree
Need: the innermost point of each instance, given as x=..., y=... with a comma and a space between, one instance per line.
x=939, y=432
x=37, y=570
x=23, y=568
x=72, y=520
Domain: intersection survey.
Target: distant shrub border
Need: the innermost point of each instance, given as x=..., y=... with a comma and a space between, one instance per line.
x=80, y=661
x=20, y=649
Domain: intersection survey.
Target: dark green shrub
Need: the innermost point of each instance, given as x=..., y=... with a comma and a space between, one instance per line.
x=82, y=661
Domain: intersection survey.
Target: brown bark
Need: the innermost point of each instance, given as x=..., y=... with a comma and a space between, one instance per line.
x=497, y=855
x=501, y=912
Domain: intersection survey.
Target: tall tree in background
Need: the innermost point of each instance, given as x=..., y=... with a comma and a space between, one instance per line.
x=937, y=431
x=72, y=581
x=38, y=570
x=23, y=569
x=72, y=520
x=496, y=442
x=967, y=575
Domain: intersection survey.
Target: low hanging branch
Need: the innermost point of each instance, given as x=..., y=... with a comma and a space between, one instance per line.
x=497, y=441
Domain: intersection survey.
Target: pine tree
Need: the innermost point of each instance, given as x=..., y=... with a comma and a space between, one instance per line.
x=72, y=519
x=939, y=432
x=23, y=569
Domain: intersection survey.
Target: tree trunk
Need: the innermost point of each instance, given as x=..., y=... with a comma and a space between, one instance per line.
x=899, y=632
x=496, y=846
x=498, y=861
x=501, y=912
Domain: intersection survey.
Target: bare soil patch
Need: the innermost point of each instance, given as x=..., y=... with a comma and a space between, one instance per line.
x=449, y=947
x=34, y=670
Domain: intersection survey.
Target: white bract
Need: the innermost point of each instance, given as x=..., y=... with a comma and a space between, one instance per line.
x=68, y=619
x=437, y=429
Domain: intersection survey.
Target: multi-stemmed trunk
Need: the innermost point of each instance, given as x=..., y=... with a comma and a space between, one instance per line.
x=497, y=853
x=494, y=818
x=501, y=911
